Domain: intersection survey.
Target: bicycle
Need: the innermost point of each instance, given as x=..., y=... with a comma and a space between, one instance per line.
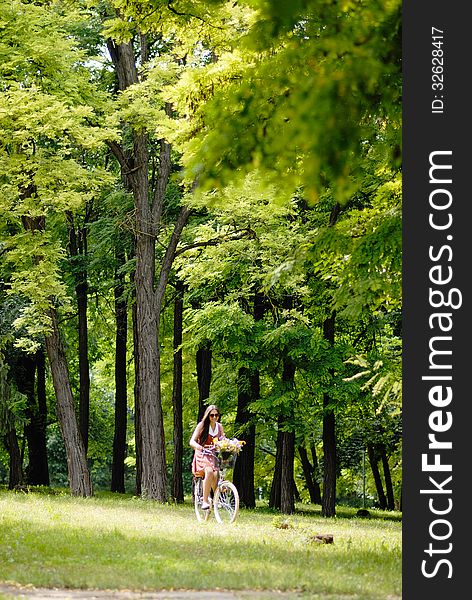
x=225, y=503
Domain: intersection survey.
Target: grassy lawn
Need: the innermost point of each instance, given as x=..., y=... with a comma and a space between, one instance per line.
x=112, y=542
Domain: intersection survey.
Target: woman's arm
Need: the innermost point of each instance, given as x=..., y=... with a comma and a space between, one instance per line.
x=222, y=431
x=193, y=439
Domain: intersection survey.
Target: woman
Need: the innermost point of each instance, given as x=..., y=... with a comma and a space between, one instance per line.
x=204, y=465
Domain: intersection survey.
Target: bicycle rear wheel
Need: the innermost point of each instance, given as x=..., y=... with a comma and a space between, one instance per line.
x=202, y=515
x=226, y=502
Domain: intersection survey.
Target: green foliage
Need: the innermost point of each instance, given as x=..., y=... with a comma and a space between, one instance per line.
x=45, y=131
x=228, y=326
x=383, y=383
x=288, y=116
x=361, y=256
x=57, y=460
x=313, y=92
x=101, y=430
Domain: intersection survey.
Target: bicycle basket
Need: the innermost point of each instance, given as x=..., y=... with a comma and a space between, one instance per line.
x=226, y=459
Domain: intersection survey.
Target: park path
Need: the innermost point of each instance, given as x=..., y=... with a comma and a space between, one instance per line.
x=28, y=592
x=10, y=592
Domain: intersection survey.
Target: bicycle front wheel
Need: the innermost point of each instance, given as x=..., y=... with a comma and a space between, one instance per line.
x=226, y=502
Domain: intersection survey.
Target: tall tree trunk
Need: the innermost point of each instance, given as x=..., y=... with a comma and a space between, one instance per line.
x=121, y=399
x=8, y=431
x=177, y=470
x=285, y=454
x=203, y=364
x=288, y=488
x=84, y=368
x=123, y=59
x=15, y=478
x=328, y=505
x=159, y=464
x=137, y=416
x=282, y=493
x=148, y=212
x=243, y=476
x=308, y=470
x=37, y=469
x=275, y=488
x=248, y=391
x=387, y=478
x=79, y=476
x=287, y=482
x=78, y=251
x=148, y=410
x=154, y=476
x=42, y=462
x=314, y=459
x=373, y=459
x=283, y=489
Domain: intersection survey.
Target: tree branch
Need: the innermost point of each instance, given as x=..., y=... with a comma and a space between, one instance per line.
x=170, y=255
x=266, y=450
x=165, y=165
x=182, y=14
x=237, y=235
x=119, y=155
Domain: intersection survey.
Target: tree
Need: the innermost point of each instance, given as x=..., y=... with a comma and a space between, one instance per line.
x=316, y=86
x=23, y=374
x=7, y=428
x=78, y=252
x=177, y=479
x=149, y=296
x=251, y=159
x=45, y=119
x=121, y=396
x=317, y=107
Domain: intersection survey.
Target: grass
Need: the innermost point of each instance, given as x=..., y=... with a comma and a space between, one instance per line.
x=110, y=542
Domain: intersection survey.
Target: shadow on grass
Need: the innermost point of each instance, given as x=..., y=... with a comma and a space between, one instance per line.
x=342, y=512
x=307, y=510
x=158, y=553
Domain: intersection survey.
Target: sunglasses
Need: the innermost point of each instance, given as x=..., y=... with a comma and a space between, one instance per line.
x=214, y=415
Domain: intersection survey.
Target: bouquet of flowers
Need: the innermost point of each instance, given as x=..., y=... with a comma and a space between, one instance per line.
x=228, y=448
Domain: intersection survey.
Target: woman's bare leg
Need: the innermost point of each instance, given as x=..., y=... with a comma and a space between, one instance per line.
x=214, y=483
x=208, y=483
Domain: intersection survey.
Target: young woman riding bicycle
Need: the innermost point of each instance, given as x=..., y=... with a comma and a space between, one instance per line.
x=204, y=464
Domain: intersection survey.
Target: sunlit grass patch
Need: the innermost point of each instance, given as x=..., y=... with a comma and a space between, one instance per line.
x=110, y=542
